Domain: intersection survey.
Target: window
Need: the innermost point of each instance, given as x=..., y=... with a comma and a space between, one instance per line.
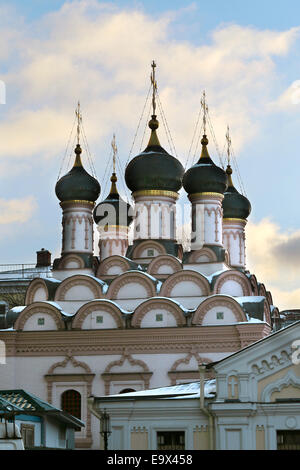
x=127, y=390
x=170, y=440
x=150, y=252
x=27, y=432
x=99, y=319
x=41, y=321
x=220, y=315
x=288, y=440
x=71, y=403
x=159, y=317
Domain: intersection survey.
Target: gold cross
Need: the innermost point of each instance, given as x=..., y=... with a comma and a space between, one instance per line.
x=154, y=85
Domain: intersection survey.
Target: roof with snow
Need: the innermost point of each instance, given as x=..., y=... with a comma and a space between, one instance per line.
x=181, y=391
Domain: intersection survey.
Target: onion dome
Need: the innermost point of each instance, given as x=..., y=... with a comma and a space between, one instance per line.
x=154, y=168
x=235, y=205
x=113, y=210
x=205, y=176
x=77, y=184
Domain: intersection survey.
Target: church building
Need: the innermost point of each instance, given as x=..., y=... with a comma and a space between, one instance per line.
x=141, y=314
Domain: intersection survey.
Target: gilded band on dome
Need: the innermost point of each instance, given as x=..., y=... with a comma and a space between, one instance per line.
x=156, y=192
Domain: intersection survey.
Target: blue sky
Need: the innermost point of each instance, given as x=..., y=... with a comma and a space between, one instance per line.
x=246, y=56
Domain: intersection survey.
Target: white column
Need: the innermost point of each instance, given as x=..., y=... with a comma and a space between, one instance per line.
x=155, y=215
x=207, y=213
x=77, y=227
x=234, y=241
x=113, y=241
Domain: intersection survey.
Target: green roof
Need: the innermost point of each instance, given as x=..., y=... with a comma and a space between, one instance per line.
x=24, y=401
x=21, y=402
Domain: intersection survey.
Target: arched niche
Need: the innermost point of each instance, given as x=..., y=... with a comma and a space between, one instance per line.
x=141, y=251
x=219, y=310
x=30, y=319
x=37, y=291
x=99, y=314
x=185, y=283
x=113, y=266
x=79, y=287
x=71, y=261
x=233, y=283
x=204, y=255
x=158, y=312
x=132, y=285
x=164, y=265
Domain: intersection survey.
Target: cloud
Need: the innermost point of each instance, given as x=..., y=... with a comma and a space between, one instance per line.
x=17, y=210
x=289, y=100
x=273, y=256
x=100, y=54
x=74, y=53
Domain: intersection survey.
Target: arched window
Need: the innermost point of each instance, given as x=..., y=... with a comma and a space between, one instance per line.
x=71, y=403
x=127, y=390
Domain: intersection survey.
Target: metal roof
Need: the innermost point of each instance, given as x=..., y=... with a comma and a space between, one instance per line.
x=21, y=402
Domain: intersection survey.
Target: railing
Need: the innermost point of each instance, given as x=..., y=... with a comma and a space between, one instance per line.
x=23, y=271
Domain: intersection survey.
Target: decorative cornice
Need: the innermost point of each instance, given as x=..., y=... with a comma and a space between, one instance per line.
x=208, y=339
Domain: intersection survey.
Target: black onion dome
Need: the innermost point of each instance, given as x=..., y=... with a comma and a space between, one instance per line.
x=113, y=210
x=77, y=184
x=154, y=168
x=205, y=176
x=235, y=205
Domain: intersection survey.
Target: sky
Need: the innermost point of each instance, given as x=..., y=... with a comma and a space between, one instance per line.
x=245, y=55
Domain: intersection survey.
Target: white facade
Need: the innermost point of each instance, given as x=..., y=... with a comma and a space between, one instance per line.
x=155, y=215
x=207, y=223
x=77, y=233
x=253, y=403
x=234, y=241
